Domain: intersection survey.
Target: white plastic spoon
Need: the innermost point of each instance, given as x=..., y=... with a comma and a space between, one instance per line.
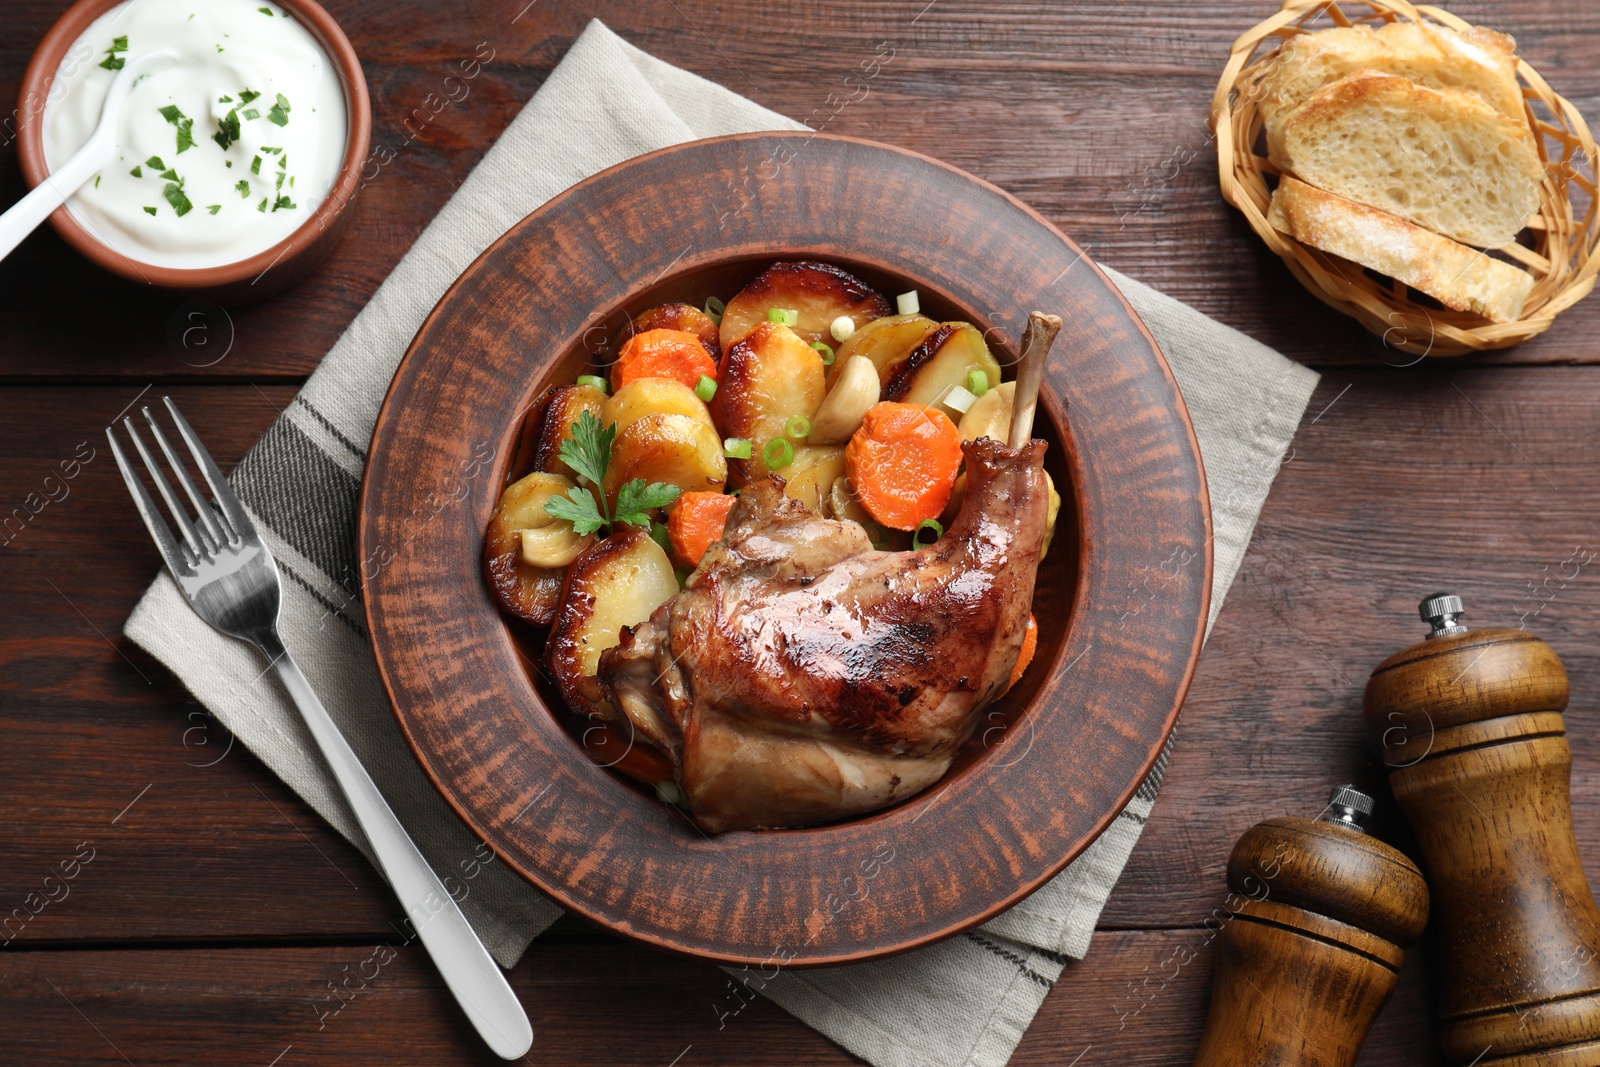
x=26, y=214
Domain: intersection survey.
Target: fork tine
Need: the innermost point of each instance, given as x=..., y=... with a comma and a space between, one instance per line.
x=231, y=508
x=160, y=532
x=206, y=512
x=164, y=487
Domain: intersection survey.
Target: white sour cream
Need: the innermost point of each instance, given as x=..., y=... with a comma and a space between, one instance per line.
x=222, y=155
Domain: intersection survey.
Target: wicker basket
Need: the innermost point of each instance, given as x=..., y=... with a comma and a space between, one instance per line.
x=1562, y=248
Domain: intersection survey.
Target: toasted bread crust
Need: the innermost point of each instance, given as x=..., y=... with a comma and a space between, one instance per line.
x=1453, y=274
x=1441, y=158
x=1477, y=60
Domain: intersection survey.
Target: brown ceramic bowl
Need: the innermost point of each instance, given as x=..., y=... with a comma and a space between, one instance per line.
x=261, y=275
x=1121, y=597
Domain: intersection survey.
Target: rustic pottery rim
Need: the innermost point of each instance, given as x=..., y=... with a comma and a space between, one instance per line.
x=293, y=249
x=1565, y=254
x=445, y=772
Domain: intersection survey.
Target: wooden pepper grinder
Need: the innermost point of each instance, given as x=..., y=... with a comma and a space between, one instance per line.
x=1469, y=724
x=1313, y=948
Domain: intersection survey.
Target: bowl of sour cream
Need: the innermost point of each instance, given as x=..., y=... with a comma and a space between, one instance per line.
x=236, y=165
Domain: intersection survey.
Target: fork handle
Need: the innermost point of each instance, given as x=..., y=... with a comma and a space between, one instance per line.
x=475, y=979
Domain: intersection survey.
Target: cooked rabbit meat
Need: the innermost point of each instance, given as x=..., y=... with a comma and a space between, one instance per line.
x=802, y=676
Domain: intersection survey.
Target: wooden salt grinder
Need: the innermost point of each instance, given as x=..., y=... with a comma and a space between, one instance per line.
x=1470, y=726
x=1313, y=949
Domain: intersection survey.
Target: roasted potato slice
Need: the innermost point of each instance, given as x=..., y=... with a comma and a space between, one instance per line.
x=677, y=449
x=885, y=341
x=811, y=476
x=939, y=364
x=525, y=591
x=767, y=379
x=652, y=396
x=676, y=317
x=840, y=502
x=990, y=415
x=563, y=409
x=817, y=293
x=617, y=582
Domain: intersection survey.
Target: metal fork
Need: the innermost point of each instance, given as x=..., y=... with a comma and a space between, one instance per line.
x=231, y=581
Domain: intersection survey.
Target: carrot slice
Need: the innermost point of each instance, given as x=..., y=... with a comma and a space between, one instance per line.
x=697, y=522
x=674, y=354
x=1030, y=645
x=903, y=463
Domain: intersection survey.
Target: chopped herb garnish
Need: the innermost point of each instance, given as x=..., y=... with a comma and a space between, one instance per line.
x=283, y=161
x=214, y=208
x=279, y=187
x=219, y=48
x=112, y=61
x=228, y=163
x=137, y=172
x=271, y=148
x=154, y=163
x=149, y=211
x=279, y=115
x=171, y=176
x=251, y=113
x=283, y=202
x=244, y=189
x=588, y=453
x=255, y=165
x=227, y=129
x=221, y=99
x=262, y=207
x=247, y=95
x=180, y=203
x=267, y=11
x=97, y=181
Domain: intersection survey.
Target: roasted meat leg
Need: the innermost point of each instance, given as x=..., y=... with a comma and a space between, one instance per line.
x=802, y=676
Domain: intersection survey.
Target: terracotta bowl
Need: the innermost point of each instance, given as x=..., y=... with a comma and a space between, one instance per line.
x=1121, y=598
x=261, y=275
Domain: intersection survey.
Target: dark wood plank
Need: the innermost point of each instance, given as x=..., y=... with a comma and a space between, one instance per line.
x=1140, y=1002
x=191, y=837
x=1432, y=478
x=1096, y=118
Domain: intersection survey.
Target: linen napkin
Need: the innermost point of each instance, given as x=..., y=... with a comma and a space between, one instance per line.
x=965, y=1001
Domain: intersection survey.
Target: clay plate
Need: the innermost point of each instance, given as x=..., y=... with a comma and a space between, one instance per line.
x=1121, y=599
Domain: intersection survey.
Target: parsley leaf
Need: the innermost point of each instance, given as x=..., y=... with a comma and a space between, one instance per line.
x=244, y=189
x=588, y=450
x=214, y=208
x=180, y=203
x=578, y=508
x=279, y=115
x=149, y=211
x=154, y=163
x=227, y=129
x=247, y=95
x=588, y=453
x=185, y=126
x=112, y=61
x=136, y=172
x=636, y=498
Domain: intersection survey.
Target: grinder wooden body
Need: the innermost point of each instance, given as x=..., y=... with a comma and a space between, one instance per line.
x=1470, y=726
x=1321, y=914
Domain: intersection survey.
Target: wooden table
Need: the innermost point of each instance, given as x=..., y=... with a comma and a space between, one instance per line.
x=217, y=908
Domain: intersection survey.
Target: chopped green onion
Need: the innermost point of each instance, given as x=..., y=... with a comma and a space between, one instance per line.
x=777, y=453
x=906, y=303
x=783, y=316
x=714, y=309
x=799, y=427
x=827, y=353
x=958, y=399
x=658, y=534
x=927, y=524
x=977, y=382
x=737, y=448
x=705, y=388
x=594, y=382
x=842, y=327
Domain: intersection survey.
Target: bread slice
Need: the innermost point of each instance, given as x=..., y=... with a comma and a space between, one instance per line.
x=1478, y=61
x=1453, y=274
x=1443, y=159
